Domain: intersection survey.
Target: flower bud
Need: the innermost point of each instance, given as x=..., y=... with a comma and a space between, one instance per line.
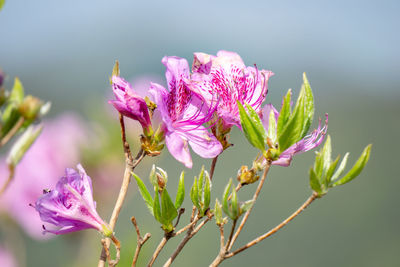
x=30, y=107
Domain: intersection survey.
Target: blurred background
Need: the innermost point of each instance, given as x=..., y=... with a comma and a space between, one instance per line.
x=64, y=51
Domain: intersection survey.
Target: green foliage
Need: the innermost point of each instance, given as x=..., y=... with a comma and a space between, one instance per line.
x=231, y=206
x=218, y=213
x=200, y=193
x=323, y=175
x=22, y=145
x=161, y=206
x=252, y=127
x=2, y=4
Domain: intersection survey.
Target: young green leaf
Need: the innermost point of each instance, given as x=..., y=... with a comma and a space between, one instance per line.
x=156, y=207
x=180, y=195
x=308, y=106
x=17, y=92
x=144, y=193
x=284, y=114
x=252, y=127
x=314, y=182
x=23, y=143
x=194, y=194
x=225, y=204
x=326, y=156
x=200, y=183
x=168, y=210
x=340, y=169
x=218, y=213
x=244, y=207
x=234, y=203
x=357, y=168
x=272, y=127
x=152, y=176
x=206, y=193
x=330, y=171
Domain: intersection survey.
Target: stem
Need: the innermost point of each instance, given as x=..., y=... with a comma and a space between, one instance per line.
x=158, y=249
x=117, y=245
x=255, y=196
x=130, y=165
x=11, y=174
x=140, y=241
x=313, y=197
x=222, y=249
x=190, y=233
x=230, y=235
x=12, y=132
x=212, y=169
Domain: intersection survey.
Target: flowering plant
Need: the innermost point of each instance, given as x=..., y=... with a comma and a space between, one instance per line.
x=198, y=109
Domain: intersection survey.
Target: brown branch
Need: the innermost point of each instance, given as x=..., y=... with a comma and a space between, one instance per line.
x=117, y=245
x=11, y=174
x=277, y=228
x=130, y=165
x=189, y=234
x=255, y=196
x=222, y=250
x=212, y=169
x=12, y=132
x=231, y=235
x=140, y=241
x=158, y=249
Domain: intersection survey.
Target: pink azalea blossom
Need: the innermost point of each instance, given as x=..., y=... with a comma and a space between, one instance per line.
x=56, y=147
x=183, y=114
x=130, y=104
x=307, y=143
x=70, y=206
x=225, y=77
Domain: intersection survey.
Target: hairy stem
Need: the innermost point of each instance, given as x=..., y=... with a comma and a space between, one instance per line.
x=130, y=165
x=313, y=197
x=140, y=241
x=255, y=196
x=212, y=169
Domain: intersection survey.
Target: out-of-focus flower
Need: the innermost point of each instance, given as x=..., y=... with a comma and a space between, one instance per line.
x=183, y=114
x=225, y=77
x=57, y=146
x=307, y=143
x=70, y=205
x=130, y=104
x=6, y=258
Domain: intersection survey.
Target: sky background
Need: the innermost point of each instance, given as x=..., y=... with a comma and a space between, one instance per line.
x=64, y=51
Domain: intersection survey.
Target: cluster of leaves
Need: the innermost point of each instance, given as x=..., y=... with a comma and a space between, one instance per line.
x=168, y=210
x=200, y=192
x=325, y=174
x=19, y=114
x=231, y=205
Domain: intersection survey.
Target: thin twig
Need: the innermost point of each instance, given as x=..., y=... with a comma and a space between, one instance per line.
x=130, y=165
x=212, y=169
x=117, y=245
x=222, y=249
x=12, y=132
x=180, y=212
x=190, y=233
x=180, y=231
x=255, y=196
x=275, y=229
x=140, y=241
x=11, y=174
x=158, y=249
x=230, y=235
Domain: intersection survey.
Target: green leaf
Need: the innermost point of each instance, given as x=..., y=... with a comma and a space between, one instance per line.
x=180, y=194
x=17, y=92
x=340, y=169
x=272, y=127
x=22, y=145
x=144, y=193
x=330, y=171
x=252, y=127
x=2, y=4
x=163, y=174
x=357, y=168
x=225, y=204
x=284, y=113
x=153, y=176
x=194, y=194
x=206, y=193
x=169, y=212
x=326, y=157
x=235, y=207
x=200, y=183
x=293, y=128
x=308, y=107
x=156, y=207
x=246, y=206
x=218, y=213
x=314, y=182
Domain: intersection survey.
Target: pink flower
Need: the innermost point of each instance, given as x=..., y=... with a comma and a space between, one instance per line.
x=57, y=146
x=6, y=258
x=183, y=113
x=130, y=104
x=226, y=78
x=70, y=205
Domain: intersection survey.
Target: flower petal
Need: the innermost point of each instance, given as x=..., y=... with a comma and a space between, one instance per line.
x=178, y=147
